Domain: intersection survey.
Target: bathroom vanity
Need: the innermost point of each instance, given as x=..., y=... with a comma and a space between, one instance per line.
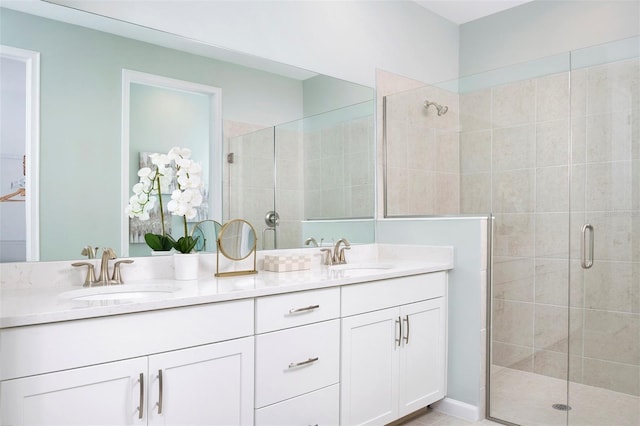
x=363, y=343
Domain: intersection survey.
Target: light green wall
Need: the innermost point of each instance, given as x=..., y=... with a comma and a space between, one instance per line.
x=465, y=292
x=80, y=81
x=322, y=94
x=543, y=28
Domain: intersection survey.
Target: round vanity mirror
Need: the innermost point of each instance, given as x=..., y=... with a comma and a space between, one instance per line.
x=207, y=233
x=236, y=241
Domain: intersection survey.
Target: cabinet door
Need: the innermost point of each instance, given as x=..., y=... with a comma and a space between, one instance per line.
x=105, y=394
x=204, y=385
x=369, y=376
x=422, y=358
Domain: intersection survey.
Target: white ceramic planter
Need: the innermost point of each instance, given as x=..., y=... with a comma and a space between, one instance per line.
x=185, y=266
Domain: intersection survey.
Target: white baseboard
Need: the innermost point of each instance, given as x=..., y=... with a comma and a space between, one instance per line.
x=454, y=408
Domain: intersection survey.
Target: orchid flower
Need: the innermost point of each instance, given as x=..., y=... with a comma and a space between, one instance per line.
x=174, y=166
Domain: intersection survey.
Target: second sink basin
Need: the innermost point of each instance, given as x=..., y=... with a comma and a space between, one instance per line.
x=120, y=292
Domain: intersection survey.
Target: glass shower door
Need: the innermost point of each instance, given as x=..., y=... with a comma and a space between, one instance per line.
x=604, y=348
x=250, y=181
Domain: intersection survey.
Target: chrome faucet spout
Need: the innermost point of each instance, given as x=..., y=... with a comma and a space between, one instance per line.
x=338, y=253
x=107, y=254
x=311, y=240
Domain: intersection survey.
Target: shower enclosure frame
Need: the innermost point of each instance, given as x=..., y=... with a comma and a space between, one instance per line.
x=550, y=221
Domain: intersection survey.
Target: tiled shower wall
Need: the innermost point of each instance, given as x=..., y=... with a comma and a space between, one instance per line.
x=249, y=184
x=289, y=190
x=422, y=158
x=322, y=173
x=338, y=171
x=516, y=161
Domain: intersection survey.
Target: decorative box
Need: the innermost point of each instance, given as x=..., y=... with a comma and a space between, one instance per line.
x=286, y=263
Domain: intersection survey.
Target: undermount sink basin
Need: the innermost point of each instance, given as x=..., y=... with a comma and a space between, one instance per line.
x=364, y=267
x=119, y=292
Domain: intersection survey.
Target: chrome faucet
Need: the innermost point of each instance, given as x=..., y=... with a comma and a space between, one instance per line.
x=103, y=277
x=311, y=240
x=338, y=253
x=337, y=258
x=89, y=251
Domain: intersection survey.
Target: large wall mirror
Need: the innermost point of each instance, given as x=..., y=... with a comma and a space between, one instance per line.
x=293, y=142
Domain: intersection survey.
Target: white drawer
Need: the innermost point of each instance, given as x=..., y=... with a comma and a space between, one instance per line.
x=371, y=296
x=295, y=361
x=294, y=309
x=321, y=407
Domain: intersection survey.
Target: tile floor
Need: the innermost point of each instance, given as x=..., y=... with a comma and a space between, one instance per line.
x=591, y=406
x=434, y=418
x=527, y=398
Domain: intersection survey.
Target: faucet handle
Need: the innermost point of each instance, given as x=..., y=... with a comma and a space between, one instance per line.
x=116, y=278
x=91, y=273
x=328, y=259
x=90, y=252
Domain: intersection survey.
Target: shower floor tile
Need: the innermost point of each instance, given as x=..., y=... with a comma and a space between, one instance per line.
x=527, y=398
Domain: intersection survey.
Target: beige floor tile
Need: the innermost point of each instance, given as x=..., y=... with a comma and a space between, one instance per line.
x=527, y=398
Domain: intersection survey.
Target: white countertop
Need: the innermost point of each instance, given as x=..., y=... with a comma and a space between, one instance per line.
x=30, y=305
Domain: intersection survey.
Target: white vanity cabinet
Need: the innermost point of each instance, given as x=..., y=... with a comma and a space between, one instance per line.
x=344, y=354
x=298, y=358
x=192, y=386
x=105, y=394
x=205, y=385
x=393, y=348
x=208, y=384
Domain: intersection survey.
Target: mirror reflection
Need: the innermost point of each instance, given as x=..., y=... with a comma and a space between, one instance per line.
x=323, y=175
x=237, y=239
x=81, y=194
x=207, y=233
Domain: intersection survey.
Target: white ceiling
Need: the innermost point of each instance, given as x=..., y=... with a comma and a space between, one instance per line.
x=461, y=11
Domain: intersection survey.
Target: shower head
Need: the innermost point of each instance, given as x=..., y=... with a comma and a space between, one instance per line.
x=442, y=109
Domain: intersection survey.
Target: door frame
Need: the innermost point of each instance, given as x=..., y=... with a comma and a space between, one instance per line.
x=31, y=59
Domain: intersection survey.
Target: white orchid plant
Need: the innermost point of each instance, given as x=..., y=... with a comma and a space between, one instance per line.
x=156, y=180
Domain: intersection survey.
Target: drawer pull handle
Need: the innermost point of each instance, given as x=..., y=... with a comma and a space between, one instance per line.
x=141, y=406
x=406, y=336
x=303, y=363
x=161, y=390
x=305, y=309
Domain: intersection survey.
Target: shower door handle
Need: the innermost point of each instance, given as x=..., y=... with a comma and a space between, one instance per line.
x=587, y=246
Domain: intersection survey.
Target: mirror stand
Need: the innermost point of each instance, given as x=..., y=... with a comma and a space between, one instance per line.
x=236, y=241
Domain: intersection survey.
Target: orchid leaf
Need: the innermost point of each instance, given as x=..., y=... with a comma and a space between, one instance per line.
x=159, y=242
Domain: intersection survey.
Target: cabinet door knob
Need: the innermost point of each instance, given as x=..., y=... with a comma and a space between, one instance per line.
x=141, y=403
x=302, y=363
x=305, y=309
